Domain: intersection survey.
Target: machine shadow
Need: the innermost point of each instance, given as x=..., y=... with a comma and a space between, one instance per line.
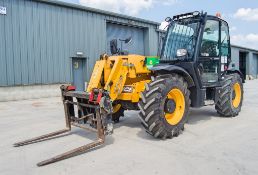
x=200, y=114
x=132, y=120
x=90, y=136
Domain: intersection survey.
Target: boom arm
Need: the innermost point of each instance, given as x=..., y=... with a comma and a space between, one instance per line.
x=114, y=73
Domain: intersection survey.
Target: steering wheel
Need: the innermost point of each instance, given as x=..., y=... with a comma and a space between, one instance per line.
x=209, y=47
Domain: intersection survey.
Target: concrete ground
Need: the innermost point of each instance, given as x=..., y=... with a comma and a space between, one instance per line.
x=209, y=145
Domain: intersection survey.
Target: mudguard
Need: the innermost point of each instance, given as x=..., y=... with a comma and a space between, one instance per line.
x=174, y=69
x=232, y=71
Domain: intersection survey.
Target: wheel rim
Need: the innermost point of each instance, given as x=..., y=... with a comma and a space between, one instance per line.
x=236, y=99
x=116, y=108
x=178, y=97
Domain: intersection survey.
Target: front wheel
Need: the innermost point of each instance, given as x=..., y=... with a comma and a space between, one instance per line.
x=164, y=106
x=231, y=96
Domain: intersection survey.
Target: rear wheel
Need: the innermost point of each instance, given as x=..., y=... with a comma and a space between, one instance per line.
x=118, y=111
x=164, y=106
x=230, y=97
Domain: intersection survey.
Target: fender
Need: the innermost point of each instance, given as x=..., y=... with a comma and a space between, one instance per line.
x=174, y=69
x=232, y=71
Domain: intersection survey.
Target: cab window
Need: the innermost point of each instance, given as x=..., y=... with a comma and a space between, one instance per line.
x=225, y=45
x=210, y=41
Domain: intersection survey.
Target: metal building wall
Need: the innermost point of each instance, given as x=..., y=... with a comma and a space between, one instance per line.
x=37, y=39
x=251, y=59
x=252, y=66
x=235, y=57
x=255, y=65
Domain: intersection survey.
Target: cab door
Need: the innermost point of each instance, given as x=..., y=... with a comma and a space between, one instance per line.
x=209, y=54
x=225, y=49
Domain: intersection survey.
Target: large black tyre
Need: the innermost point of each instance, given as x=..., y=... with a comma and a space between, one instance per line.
x=117, y=114
x=231, y=96
x=153, y=103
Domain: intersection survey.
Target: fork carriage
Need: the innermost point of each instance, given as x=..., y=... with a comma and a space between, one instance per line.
x=90, y=114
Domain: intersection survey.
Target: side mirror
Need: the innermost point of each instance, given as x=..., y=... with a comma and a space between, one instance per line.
x=128, y=40
x=181, y=52
x=113, y=47
x=168, y=19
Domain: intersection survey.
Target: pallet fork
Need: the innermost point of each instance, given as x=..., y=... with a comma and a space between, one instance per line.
x=91, y=110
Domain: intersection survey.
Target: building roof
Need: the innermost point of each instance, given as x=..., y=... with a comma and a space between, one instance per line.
x=104, y=12
x=245, y=48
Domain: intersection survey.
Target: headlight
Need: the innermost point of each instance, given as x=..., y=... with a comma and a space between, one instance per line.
x=181, y=52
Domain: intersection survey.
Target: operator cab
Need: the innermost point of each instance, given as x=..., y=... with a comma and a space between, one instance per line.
x=200, y=44
x=202, y=39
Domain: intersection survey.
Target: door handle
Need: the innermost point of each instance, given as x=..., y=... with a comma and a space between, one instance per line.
x=76, y=65
x=200, y=68
x=216, y=58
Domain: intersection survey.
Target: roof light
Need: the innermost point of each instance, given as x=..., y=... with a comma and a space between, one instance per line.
x=186, y=15
x=196, y=13
x=218, y=15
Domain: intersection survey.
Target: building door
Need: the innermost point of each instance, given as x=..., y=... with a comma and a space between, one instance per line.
x=78, y=73
x=242, y=63
x=255, y=56
x=257, y=66
x=116, y=31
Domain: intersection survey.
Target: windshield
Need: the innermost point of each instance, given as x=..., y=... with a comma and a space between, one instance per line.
x=180, y=35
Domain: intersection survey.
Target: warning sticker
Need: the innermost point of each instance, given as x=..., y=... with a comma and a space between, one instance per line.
x=2, y=10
